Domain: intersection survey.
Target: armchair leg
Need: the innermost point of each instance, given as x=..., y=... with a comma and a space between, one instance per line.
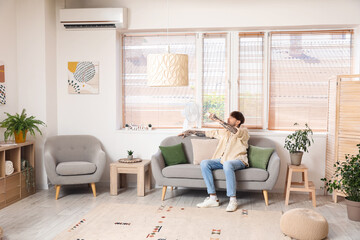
x=93, y=189
x=57, y=188
x=163, y=193
x=265, y=192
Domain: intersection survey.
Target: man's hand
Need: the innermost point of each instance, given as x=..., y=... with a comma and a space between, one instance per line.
x=186, y=133
x=190, y=132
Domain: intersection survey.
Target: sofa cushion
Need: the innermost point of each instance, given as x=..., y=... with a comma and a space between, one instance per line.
x=259, y=157
x=194, y=171
x=203, y=149
x=173, y=154
x=75, y=168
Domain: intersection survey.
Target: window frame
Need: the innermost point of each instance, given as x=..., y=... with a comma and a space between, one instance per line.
x=233, y=68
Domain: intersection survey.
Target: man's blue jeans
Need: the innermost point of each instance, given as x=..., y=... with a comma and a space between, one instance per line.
x=207, y=166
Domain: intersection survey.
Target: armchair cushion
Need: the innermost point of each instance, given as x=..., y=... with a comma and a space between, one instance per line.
x=173, y=154
x=75, y=168
x=259, y=157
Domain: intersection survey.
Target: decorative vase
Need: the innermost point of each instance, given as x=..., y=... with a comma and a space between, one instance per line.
x=19, y=138
x=130, y=157
x=296, y=157
x=353, y=210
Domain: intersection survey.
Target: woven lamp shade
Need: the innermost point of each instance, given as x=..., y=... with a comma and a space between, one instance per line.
x=167, y=70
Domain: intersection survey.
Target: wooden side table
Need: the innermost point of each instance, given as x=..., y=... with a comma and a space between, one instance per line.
x=304, y=186
x=140, y=169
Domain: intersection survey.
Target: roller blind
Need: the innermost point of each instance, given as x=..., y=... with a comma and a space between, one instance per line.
x=160, y=106
x=215, y=77
x=251, y=78
x=300, y=66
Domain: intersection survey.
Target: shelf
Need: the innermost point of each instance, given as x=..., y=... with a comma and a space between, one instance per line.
x=13, y=187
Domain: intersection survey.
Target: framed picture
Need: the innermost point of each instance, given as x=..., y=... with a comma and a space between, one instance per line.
x=2, y=84
x=83, y=77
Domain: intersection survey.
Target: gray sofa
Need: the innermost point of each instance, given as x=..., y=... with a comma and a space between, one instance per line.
x=189, y=175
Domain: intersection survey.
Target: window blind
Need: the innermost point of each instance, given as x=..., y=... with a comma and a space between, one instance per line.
x=300, y=66
x=160, y=106
x=215, y=74
x=251, y=78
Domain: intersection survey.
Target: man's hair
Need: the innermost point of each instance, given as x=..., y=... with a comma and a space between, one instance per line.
x=238, y=116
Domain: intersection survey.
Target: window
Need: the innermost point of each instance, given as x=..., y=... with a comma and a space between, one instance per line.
x=301, y=64
x=274, y=78
x=160, y=106
x=215, y=78
x=251, y=78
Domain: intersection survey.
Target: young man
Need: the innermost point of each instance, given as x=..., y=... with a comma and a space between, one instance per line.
x=230, y=155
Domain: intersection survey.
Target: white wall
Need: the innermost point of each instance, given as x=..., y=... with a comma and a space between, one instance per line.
x=8, y=56
x=96, y=114
x=152, y=14
x=36, y=66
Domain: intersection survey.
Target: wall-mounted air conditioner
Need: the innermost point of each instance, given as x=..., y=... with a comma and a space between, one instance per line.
x=81, y=18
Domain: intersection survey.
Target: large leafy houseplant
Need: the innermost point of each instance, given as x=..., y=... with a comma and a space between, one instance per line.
x=298, y=142
x=346, y=179
x=19, y=125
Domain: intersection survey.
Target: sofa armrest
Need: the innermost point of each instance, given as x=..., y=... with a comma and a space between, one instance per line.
x=273, y=169
x=50, y=167
x=99, y=159
x=157, y=165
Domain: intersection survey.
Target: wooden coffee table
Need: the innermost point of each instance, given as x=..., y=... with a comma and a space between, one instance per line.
x=140, y=168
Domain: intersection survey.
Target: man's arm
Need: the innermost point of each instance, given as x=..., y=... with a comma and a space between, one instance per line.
x=224, y=124
x=190, y=132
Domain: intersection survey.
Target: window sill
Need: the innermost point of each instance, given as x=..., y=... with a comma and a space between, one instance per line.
x=253, y=132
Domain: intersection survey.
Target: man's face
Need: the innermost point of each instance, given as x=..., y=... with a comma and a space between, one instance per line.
x=233, y=121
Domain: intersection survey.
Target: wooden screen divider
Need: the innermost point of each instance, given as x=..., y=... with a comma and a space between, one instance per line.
x=343, y=121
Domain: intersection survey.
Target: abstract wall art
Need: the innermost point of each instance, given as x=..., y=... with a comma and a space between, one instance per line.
x=2, y=83
x=83, y=77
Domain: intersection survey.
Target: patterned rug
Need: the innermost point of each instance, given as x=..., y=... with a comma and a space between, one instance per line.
x=122, y=221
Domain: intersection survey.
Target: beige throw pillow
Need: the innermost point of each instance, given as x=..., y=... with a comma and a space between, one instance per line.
x=203, y=149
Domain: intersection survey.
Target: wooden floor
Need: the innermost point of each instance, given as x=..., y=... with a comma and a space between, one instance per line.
x=41, y=217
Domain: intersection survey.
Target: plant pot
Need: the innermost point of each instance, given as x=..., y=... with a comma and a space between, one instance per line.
x=353, y=210
x=296, y=157
x=19, y=138
x=150, y=128
x=130, y=157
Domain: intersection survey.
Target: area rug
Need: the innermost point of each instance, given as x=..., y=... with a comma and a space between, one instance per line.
x=126, y=221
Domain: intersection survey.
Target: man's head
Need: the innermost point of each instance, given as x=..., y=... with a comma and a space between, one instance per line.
x=236, y=118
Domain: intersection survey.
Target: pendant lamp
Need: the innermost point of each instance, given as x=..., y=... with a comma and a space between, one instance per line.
x=167, y=69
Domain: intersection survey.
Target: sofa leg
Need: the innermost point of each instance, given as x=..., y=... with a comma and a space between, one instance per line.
x=93, y=187
x=57, y=188
x=163, y=193
x=265, y=192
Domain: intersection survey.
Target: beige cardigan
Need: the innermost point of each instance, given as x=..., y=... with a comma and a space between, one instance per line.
x=231, y=146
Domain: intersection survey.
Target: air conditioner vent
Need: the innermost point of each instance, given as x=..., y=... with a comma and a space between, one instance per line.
x=77, y=26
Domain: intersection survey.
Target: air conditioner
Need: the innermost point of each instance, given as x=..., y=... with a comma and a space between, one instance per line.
x=82, y=18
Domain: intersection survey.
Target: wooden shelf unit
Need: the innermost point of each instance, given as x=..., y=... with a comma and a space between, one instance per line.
x=13, y=187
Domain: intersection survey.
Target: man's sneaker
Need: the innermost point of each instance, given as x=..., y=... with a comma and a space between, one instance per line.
x=232, y=206
x=208, y=202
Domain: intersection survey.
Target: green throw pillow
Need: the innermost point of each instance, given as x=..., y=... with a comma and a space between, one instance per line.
x=259, y=157
x=173, y=154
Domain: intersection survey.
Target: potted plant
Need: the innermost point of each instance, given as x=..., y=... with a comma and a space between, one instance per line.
x=298, y=142
x=126, y=126
x=130, y=154
x=346, y=179
x=149, y=126
x=19, y=125
x=28, y=173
